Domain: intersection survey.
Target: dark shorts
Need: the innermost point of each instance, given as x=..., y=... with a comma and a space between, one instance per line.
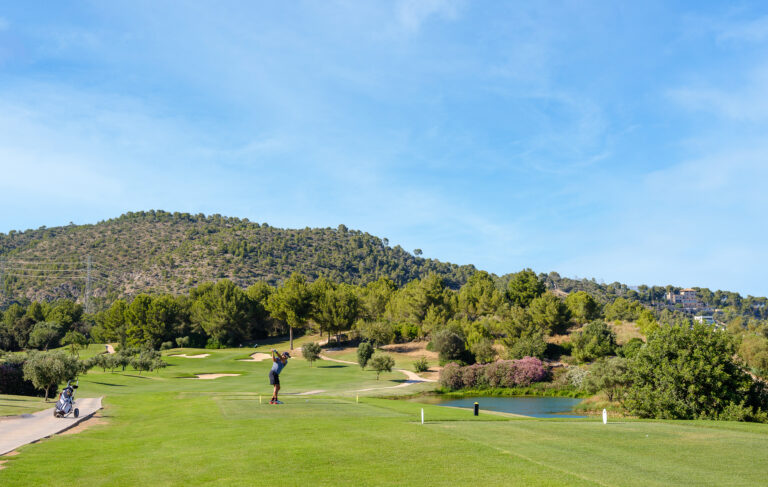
x=274, y=379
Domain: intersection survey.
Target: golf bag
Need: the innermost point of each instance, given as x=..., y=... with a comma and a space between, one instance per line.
x=66, y=402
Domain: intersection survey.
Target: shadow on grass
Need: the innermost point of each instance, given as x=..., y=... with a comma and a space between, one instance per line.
x=332, y=366
x=108, y=384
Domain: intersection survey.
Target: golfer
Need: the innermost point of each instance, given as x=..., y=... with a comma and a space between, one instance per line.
x=278, y=362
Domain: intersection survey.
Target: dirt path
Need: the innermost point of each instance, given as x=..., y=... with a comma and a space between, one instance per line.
x=29, y=428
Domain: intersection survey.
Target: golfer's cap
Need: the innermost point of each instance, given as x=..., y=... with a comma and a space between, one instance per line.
x=287, y=354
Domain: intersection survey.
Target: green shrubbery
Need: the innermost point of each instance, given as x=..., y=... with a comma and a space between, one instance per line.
x=421, y=365
x=595, y=340
x=364, y=354
x=690, y=373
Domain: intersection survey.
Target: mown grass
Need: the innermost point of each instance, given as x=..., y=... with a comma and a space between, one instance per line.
x=14, y=405
x=166, y=431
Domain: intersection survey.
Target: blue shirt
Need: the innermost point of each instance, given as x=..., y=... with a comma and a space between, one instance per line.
x=277, y=366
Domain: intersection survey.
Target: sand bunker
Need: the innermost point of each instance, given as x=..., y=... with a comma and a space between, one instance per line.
x=202, y=355
x=211, y=376
x=257, y=357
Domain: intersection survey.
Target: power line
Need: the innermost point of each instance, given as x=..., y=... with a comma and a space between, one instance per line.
x=62, y=262
x=26, y=269
x=88, y=287
x=66, y=278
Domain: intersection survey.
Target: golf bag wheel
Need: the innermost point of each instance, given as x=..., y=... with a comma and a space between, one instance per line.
x=55, y=413
x=77, y=412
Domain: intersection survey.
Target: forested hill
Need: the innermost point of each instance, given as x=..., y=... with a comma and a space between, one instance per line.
x=157, y=251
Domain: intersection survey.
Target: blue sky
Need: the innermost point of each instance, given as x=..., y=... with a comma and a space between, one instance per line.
x=623, y=142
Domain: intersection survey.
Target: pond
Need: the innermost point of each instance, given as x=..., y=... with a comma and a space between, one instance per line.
x=536, y=407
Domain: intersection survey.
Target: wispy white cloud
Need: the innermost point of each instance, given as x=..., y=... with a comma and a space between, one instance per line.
x=745, y=99
x=412, y=14
x=752, y=30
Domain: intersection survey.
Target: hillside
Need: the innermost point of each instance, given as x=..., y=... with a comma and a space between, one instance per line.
x=157, y=251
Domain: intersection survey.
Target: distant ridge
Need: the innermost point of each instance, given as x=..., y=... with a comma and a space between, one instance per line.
x=158, y=251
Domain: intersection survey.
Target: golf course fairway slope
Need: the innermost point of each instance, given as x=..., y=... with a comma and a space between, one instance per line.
x=161, y=430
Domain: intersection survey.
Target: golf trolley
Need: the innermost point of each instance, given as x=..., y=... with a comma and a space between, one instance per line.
x=66, y=402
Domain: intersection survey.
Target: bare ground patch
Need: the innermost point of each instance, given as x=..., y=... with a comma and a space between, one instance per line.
x=94, y=420
x=411, y=349
x=625, y=331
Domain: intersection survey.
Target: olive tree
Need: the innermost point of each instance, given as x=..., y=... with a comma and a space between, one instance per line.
x=382, y=362
x=311, y=352
x=49, y=369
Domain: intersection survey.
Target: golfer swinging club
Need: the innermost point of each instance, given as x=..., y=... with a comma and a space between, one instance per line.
x=278, y=362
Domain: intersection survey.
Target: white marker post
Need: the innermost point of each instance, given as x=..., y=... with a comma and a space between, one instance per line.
x=422, y=415
x=605, y=416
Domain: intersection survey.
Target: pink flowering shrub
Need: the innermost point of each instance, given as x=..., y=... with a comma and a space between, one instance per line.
x=451, y=377
x=528, y=370
x=499, y=373
x=502, y=373
x=472, y=376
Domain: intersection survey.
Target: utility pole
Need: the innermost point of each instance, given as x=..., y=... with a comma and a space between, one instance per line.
x=88, y=286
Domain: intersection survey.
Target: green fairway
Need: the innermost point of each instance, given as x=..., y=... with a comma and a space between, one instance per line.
x=164, y=430
x=15, y=405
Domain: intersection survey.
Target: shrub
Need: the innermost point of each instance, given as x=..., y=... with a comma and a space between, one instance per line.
x=405, y=331
x=594, y=341
x=498, y=374
x=311, y=352
x=214, y=344
x=630, y=349
x=421, y=365
x=528, y=370
x=12, y=379
x=182, y=341
x=364, y=354
x=576, y=376
x=472, y=376
x=377, y=332
x=483, y=351
x=502, y=373
x=608, y=375
x=528, y=345
x=450, y=376
x=686, y=373
x=166, y=345
x=449, y=345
